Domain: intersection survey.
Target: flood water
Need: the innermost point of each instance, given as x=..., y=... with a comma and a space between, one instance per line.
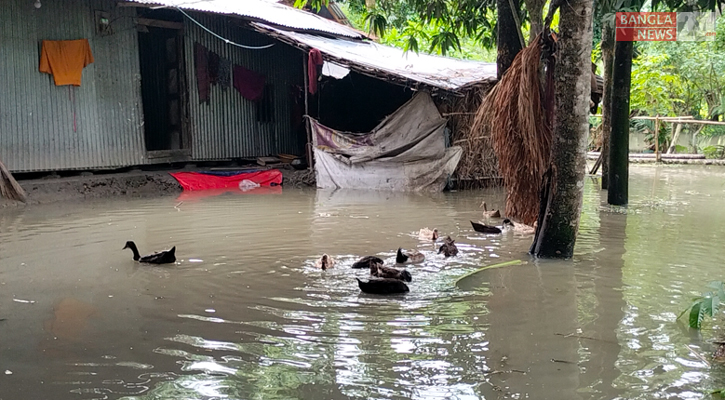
x=245, y=315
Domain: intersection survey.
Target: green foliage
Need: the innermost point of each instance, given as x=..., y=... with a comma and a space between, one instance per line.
x=647, y=127
x=714, y=151
x=720, y=35
x=375, y=22
x=316, y=4
x=705, y=305
x=678, y=78
x=417, y=36
x=439, y=26
x=712, y=131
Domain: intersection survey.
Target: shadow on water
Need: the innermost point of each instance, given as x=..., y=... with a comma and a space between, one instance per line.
x=244, y=313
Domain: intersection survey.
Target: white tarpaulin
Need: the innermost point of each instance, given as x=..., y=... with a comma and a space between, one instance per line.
x=405, y=152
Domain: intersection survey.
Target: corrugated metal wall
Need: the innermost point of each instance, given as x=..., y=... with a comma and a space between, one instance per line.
x=37, y=130
x=227, y=127
x=37, y=118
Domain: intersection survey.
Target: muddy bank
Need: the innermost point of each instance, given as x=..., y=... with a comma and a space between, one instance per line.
x=135, y=184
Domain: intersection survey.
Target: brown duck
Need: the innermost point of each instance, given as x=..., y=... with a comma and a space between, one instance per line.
x=412, y=257
x=382, y=271
x=448, y=248
x=325, y=262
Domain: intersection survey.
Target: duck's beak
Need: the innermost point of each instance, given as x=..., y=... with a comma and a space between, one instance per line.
x=124, y=247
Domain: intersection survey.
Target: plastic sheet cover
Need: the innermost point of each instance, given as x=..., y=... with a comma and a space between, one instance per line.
x=405, y=152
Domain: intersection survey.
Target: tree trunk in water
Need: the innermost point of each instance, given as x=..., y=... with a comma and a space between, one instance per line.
x=563, y=186
x=619, y=138
x=608, y=59
x=508, y=43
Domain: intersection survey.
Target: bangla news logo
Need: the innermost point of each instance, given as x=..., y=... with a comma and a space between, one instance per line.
x=665, y=26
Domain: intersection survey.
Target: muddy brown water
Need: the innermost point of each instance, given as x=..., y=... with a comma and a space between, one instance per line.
x=244, y=314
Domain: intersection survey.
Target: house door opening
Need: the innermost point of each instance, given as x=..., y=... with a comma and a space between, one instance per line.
x=162, y=89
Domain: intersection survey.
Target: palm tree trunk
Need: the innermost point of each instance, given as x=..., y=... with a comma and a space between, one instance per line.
x=564, y=181
x=617, y=191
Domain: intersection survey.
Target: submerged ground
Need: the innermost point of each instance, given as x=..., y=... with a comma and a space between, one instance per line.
x=244, y=314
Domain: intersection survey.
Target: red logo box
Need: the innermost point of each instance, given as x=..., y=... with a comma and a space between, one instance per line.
x=646, y=26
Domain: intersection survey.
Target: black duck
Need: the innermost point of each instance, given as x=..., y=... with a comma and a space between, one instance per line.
x=479, y=227
x=383, y=286
x=162, y=257
x=367, y=262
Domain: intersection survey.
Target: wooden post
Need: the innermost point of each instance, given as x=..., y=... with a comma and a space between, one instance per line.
x=618, y=189
x=308, y=146
x=657, y=138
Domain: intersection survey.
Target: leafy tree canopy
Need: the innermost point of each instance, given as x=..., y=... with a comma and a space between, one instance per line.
x=436, y=26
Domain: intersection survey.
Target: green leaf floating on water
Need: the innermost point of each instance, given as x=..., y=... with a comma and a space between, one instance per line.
x=706, y=305
x=499, y=265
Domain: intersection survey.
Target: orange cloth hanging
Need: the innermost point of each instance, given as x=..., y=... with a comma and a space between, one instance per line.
x=65, y=60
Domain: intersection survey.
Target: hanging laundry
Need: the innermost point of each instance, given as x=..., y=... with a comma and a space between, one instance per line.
x=213, y=68
x=314, y=67
x=201, y=59
x=225, y=73
x=249, y=83
x=65, y=60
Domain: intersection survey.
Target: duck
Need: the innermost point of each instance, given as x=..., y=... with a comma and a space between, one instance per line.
x=381, y=271
x=411, y=257
x=383, y=286
x=448, y=248
x=519, y=227
x=427, y=234
x=367, y=262
x=483, y=228
x=162, y=257
x=490, y=214
x=325, y=262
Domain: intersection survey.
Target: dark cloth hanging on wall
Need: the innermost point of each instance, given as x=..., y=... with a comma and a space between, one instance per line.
x=225, y=73
x=249, y=83
x=213, y=68
x=201, y=59
x=314, y=68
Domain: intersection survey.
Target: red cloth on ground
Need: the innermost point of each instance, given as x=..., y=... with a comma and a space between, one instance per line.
x=314, y=61
x=249, y=83
x=197, y=181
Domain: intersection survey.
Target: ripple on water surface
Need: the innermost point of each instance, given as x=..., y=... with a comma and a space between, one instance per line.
x=244, y=313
